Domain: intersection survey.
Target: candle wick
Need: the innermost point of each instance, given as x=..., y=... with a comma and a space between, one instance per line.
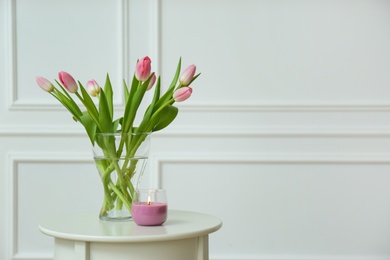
x=149, y=202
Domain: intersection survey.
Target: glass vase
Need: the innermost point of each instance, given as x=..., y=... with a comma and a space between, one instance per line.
x=121, y=160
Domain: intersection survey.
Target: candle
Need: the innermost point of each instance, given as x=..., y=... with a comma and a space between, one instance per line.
x=149, y=213
x=149, y=207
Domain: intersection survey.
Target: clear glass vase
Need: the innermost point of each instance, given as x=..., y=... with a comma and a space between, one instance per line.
x=121, y=160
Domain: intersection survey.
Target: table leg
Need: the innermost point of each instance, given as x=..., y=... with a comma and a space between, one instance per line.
x=203, y=247
x=81, y=250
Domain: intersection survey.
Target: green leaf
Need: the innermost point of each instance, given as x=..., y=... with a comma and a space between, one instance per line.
x=157, y=89
x=133, y=103
x=150, y=109
x=89, y=105
x=109, y=94
x=194, y=78
x=168, y=94
x=89, y=125
x=176, y=77
x=68, y=103
x=115, y=124
x=127, y=117
x=125, y=91
x=138, y=95
x=63, y=89
x=105, y=120
x=166, y=116
x=134, y=86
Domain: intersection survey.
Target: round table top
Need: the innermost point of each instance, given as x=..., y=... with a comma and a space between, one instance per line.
x=88, y=227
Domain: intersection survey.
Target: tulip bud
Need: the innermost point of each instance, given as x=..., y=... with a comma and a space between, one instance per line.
x=68, y=81
x=182, y=94
x=143, y=69
x=45, y=84
x=187, y=75
x=151, y=82
x=93, y=88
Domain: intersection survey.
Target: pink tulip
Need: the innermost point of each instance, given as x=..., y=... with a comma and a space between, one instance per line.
x=68, y=81
x=187, y=75
x=45, y=84
x=151, y=82
x=143, y=69
x=93, y=88
x=182, y=94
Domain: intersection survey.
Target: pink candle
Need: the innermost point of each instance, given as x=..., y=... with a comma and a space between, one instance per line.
x=149, y=214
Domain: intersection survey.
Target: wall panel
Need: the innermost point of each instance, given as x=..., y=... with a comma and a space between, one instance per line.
x=284, y=207
x=279, y=52
x=44, y=185
x=70, y=41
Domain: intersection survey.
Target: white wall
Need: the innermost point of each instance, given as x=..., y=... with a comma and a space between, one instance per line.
x=286, y=136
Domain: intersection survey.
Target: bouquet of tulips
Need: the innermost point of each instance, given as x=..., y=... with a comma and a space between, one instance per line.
x=97, y=117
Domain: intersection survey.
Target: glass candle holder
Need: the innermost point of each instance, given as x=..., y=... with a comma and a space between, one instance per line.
x=149, y=207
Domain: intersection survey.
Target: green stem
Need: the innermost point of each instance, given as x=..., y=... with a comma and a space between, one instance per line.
x=120, y=195
x=121, y=181
x=131, y=154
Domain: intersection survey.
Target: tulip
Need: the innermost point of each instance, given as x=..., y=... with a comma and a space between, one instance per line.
x=143, y=69
x=68, y=81
x=93, y=88
x=182, y=94
x=187, y=75
x=151, y=82
x=45, y=84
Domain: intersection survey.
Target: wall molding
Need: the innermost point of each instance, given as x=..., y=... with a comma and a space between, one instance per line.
x=285, y=107
x=294, y=257
x=157, y=161
x=10, y=59
x=155, y=34
x=11, y=63
x=231, y=107
x=32, y=256
x=64, y=131
x=12, y=162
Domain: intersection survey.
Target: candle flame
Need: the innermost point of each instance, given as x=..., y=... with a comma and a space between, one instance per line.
x=149, y=200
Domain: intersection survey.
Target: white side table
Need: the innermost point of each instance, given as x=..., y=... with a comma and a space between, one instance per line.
x=184, y=236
